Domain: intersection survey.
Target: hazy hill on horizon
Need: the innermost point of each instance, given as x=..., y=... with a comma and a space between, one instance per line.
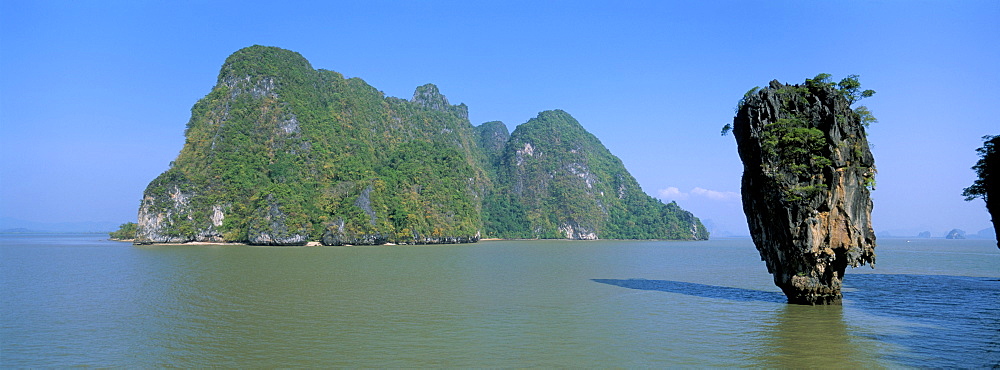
x=16, y=225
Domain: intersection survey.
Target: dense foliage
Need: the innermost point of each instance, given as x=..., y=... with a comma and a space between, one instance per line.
x=986, y=169
x=126, y=231
x=556, y=177
x=793, y=142
x=987, y=186
x=281, y=153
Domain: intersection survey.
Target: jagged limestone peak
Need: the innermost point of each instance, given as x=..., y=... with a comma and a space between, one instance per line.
x=569, y=185
x=428, y=96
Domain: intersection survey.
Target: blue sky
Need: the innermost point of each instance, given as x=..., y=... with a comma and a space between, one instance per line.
x=95, y=94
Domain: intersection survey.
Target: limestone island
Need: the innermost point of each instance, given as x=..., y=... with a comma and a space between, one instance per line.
x=280, y=153
x=807, y=173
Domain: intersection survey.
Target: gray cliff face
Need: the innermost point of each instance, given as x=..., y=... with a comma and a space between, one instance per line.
x=574, y=231
x=270, y=227
x=174, y=209
x=278, y=153
x=545, y=169
x=807, y=168
x=154, y=222
x=166, y=208
x=337, y=233
x=428, y=96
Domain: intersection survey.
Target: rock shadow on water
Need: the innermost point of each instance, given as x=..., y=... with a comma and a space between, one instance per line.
x=698, y=290
x=785, y=336
x=937, y=321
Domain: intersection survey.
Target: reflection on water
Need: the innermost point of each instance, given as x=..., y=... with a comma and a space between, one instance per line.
x=918, y=320
x=794, y=336
x=799, y=336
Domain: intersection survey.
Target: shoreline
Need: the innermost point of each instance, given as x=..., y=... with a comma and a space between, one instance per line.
x=200, y=243
x=319, y=244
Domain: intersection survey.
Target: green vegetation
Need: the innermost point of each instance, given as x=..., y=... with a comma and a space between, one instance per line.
x=278, y=149
x=987, y=186
x=725, y=129
x=849, y=88
x=556, y=174
x=986, y=169
x=797, y=147
x=729, y=126
x=125, y=232
x=794, y=146
x=278, y=142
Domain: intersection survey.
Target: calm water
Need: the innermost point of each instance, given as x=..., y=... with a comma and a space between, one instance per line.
x=79, y=300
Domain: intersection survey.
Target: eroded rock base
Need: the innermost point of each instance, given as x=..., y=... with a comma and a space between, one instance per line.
x=821, y=295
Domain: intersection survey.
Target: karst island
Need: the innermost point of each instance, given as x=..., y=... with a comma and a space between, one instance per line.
x=280, y=153
x=807, y=173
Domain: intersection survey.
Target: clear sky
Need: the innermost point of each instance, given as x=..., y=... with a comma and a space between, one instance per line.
x=95, y=95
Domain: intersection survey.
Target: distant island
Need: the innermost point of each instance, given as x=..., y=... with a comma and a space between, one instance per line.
x=11, y=225
x=955, y=234
x=20, y=230
x=280, y=153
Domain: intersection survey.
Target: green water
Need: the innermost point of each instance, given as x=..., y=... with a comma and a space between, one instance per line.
x=78, y=300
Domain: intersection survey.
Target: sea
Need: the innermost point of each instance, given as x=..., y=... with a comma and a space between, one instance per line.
x=81, y=300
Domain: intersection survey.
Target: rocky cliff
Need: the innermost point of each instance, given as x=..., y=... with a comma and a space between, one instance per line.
x=567, y=184
x=279, y=153
x=807, y=170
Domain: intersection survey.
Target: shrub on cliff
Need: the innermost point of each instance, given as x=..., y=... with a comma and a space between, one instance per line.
x=986, y=168
x=987, y=186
